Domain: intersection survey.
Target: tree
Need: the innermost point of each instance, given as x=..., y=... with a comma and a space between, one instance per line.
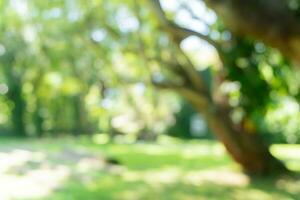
x=242, y=140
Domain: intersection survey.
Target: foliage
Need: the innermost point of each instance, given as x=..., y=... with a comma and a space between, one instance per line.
x=64, y=70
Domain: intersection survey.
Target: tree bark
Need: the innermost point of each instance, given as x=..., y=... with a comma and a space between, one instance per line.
x=244, y=146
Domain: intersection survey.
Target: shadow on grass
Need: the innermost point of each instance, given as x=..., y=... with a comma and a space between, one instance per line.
x=115, y=188
x=182, y=173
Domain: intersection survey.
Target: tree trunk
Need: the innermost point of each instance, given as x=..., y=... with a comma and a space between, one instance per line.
x=244, y=146
x=38, y=120
x=18, y=111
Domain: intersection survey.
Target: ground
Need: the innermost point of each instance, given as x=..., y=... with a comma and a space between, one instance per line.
x=94, y=169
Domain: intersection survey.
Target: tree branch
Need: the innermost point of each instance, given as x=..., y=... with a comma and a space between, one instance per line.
x=193, y=14
x=197, y=98
x=179, y=32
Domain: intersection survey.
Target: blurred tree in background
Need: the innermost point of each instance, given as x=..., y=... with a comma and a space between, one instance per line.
x=72, y=67
x=62, y=71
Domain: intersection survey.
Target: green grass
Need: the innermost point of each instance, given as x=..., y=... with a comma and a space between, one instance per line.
x=170, y=169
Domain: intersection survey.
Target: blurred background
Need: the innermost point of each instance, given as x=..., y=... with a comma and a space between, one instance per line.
x=82, y=115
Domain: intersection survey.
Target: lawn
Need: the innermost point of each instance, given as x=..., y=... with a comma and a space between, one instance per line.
x=93, y=169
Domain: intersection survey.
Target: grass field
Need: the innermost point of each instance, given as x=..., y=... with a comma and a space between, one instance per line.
x=91, y=169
